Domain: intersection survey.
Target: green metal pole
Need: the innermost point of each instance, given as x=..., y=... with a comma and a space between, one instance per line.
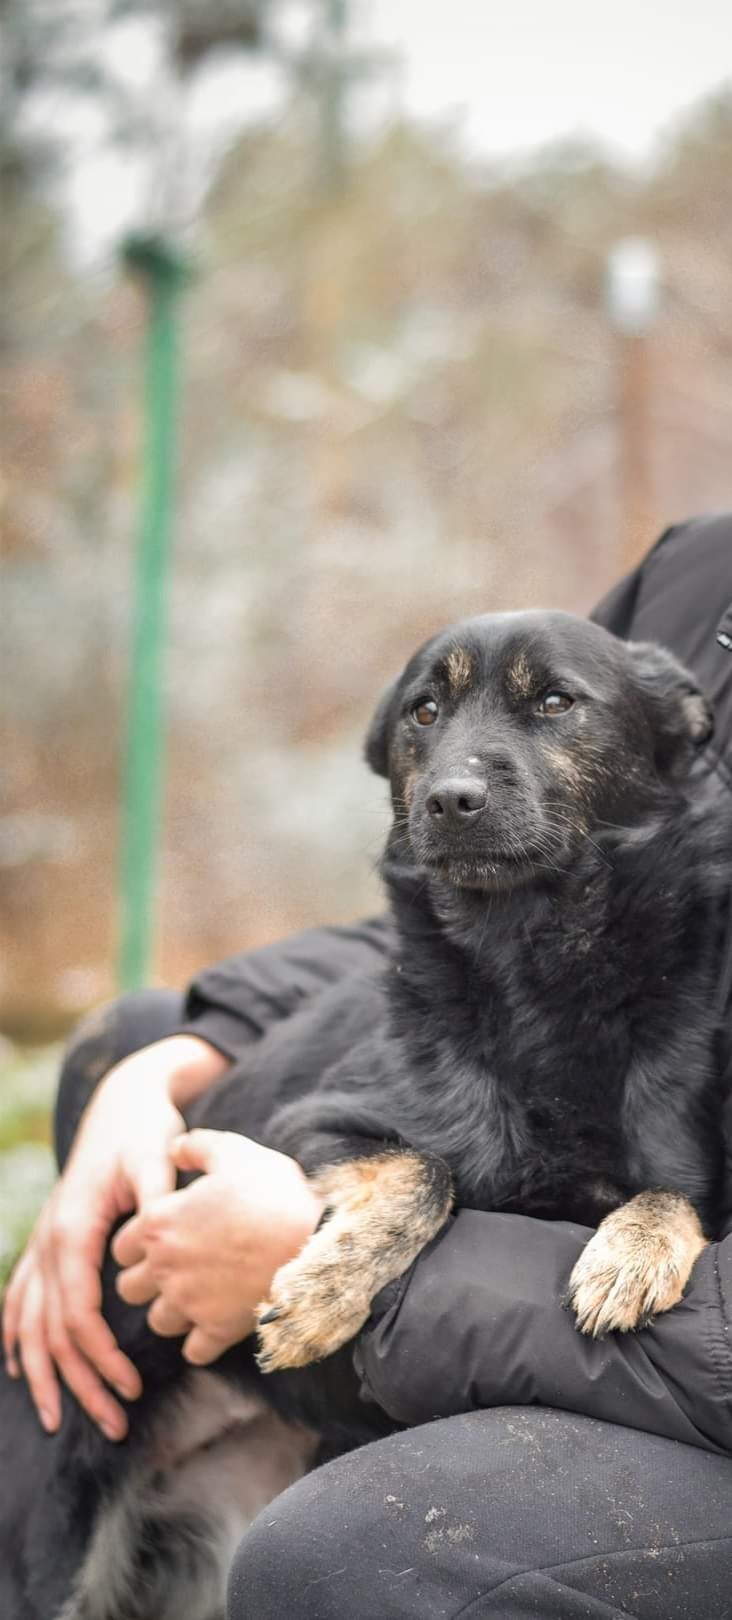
x=163, y=271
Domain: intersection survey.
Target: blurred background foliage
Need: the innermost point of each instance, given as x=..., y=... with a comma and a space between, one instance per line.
x=401, y=405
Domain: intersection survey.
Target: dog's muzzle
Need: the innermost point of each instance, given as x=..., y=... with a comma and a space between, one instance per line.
x=457, y=802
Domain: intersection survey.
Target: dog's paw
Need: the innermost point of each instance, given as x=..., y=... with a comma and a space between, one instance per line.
x=381, y=1211
x=613, y=1291
x=312, y=1310
x=637, y=1264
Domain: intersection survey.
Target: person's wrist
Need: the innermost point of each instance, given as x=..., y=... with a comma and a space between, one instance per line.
x=117, y=1091
x=180, y=1067
x=191, y=1065
x=129, y=1086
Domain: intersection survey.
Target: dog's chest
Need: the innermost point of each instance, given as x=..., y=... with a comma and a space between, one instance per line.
x=527, y=1058
x=531, y=1112
x=535, y=1120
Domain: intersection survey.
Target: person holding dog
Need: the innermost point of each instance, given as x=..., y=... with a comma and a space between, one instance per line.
x=539, y=1473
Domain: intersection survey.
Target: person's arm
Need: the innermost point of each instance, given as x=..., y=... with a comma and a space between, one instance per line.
x=478, y=1321
x=234, y=1003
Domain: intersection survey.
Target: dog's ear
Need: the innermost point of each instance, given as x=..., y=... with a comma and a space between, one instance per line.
x=377, y=738
x=681, y=714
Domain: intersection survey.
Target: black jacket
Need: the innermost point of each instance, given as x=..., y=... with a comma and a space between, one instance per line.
x=485, y=1297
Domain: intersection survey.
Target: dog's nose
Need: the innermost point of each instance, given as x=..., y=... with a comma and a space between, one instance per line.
x=459, y=799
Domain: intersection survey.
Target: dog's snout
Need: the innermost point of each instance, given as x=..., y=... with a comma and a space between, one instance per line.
x=458, y=798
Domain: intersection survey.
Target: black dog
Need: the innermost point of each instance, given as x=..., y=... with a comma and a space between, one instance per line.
x=543, y=1042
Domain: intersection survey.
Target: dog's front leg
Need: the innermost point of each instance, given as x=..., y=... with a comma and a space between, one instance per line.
x=637, y=1264
x=379, y=1212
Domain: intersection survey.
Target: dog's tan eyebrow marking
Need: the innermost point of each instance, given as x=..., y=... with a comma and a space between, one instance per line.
x=459, y=670
x=519, y=677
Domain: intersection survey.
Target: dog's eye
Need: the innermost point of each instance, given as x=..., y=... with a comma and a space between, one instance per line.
x=555, y=703
x=425, y=712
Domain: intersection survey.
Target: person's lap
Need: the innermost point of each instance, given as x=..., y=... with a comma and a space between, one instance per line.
x=517, y=1512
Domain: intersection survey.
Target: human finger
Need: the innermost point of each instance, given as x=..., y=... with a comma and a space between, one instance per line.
x=80, y=1291
x=128, y=1244
x=197, y=1150
x=35, y=1356
x=139, y=1284
x=200, y=1347
x=80, y=1377
x=166, y=1320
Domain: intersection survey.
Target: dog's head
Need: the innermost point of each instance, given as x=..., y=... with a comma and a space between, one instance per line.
x=509, y=738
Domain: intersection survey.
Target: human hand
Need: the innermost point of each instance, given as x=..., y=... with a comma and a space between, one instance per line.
x=52, y=1321
x=206, y=1256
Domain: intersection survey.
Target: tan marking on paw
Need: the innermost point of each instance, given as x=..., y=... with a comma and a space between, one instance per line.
x=459, y=667
x=384, y=1210
x=637, y=1264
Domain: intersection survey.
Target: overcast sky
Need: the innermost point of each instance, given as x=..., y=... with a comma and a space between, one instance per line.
x=524, y=71
x=509, y=76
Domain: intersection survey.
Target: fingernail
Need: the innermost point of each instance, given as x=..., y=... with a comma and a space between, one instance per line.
x=48, y=1420
x=112, y=1430
x=12, y=1369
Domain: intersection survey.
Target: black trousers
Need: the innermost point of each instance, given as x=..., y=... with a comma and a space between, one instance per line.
x=511, y=1514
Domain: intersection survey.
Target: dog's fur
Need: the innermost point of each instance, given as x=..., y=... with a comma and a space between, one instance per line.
x=543, y=1042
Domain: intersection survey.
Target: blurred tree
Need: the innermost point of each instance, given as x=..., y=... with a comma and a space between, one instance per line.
x=28, y=264
x=60, y=57
x=400, y=407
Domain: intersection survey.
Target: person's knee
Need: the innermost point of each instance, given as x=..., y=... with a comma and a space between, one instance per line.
x=266, y=1571
x=111, y=1032
x=329, y=1546
x=292, y=1559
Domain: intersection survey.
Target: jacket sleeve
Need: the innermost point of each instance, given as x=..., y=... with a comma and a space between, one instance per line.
x=617, y=609
x=233, y=1004
x=478, y=1321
